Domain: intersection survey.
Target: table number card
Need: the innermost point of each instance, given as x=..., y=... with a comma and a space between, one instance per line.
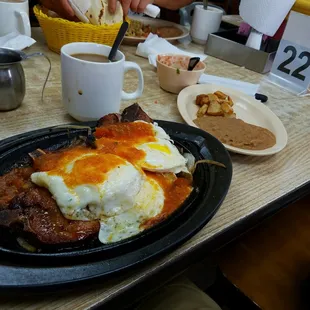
x=291, y=67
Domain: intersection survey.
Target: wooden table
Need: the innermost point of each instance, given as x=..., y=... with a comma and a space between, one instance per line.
x=260, y=185
x=235, y=20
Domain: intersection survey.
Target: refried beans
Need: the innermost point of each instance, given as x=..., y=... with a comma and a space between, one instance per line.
x=237, y=133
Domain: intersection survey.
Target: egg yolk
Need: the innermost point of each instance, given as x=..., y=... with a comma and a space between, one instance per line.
x=159, y=147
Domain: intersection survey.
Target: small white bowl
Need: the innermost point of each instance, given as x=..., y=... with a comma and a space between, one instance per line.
x=172, y=72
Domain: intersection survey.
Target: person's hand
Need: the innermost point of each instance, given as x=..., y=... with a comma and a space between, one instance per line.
x=61, y=7
x=135, y=5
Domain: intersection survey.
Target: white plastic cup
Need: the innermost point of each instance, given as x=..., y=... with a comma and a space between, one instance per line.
x=205, y=22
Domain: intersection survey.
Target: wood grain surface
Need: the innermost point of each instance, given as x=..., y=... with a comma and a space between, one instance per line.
x=257, y=181
x=232, y=19
x=270, y=264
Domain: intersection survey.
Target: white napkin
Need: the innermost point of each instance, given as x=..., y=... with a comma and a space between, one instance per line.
x=265, y=16
x=245, y=87
x=16, y=41
x=154, y=45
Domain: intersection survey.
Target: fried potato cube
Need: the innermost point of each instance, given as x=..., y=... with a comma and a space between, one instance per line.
x=205, y=100
x=224, y=97
x=222, y=101
x=212, y=97
x=231, y=103
x=199, y=99
x=227, y=108
x=230, y=115
x=202, y=100
x=216, y=104
x=215, y=109
x=220, y=95
x=202, y=110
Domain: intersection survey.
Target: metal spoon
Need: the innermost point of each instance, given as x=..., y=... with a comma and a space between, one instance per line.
x=192, y=63
x=118, y=40
x=205, y=4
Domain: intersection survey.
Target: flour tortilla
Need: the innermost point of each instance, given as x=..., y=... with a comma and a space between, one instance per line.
x=80, y=7
x=96, y=12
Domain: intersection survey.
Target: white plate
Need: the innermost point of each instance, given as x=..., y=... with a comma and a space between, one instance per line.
x=246, y=108
x=156, y=23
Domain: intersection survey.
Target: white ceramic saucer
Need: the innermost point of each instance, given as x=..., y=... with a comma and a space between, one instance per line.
x=246, y=108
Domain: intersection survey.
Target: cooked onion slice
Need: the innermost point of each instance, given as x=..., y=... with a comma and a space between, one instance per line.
x=37, y=153
x=90, y=139
x=190, y=161
x=89, y=130
x=24, y=244
x=192, y=165
x=209, y=162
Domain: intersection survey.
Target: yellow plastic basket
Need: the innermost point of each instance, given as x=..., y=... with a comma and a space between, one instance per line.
x=58, y=31
x=302, y=6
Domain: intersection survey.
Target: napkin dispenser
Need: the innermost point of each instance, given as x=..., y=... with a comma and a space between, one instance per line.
x=230, y=46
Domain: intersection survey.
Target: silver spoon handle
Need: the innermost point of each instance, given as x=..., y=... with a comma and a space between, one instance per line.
x=118, y=40
x=205, y=4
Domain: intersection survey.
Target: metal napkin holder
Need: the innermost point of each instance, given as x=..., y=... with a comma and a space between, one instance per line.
x=230, y=46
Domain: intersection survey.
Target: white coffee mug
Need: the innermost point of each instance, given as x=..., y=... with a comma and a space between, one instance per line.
x=205, y=22
x=14, y=17
x=91, y=90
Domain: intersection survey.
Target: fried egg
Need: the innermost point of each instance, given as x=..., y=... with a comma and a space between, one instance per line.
x=160, y=154
x=125, y=183
x=92, y=186
x=103, y=187
x=149, y=203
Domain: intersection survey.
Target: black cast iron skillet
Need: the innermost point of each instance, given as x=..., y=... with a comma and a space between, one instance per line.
x=54, y=266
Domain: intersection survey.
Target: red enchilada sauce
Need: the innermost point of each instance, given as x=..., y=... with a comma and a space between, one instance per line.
x=176, y=191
